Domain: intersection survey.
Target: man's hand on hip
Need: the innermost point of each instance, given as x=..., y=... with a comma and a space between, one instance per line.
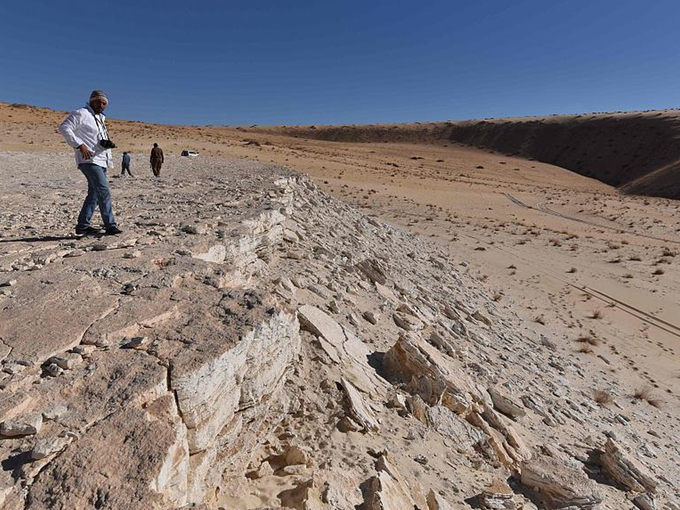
x=85, y=151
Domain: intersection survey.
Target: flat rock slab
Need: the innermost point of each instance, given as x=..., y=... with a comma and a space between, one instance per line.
x=44, y=319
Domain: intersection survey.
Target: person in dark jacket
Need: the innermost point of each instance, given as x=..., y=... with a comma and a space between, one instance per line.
x=156, y=159
x=126, y=164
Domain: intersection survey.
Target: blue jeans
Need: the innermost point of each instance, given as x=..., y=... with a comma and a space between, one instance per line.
x=97, y=193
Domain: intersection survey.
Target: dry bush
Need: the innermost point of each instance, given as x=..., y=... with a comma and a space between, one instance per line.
x=497, y=297
x=586, y=349
x=658, y=272
x=512, y=266
x=667, y=252
x=647, y=395
x=588, y=339
x=603, y=397
x=634, y=258
x=628, y=276
x=572, y=270
x=540, y=319
x=597, y=314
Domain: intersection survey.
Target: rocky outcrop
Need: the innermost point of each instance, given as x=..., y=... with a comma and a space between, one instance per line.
x=429, y=374
x=252, y=342
x=179, y=406
x=559, y=485
x=442, y=382
x=388, y=489
x=625, y=470
x=497, y=496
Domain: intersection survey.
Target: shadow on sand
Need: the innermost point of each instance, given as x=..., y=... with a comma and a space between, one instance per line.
x=42, y=239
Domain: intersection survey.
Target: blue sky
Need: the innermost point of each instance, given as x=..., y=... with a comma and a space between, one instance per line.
x=334, y=62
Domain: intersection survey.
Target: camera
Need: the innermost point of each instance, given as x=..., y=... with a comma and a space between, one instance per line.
x=107, y=144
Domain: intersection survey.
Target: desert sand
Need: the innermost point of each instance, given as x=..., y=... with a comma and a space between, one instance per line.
x=544, y=302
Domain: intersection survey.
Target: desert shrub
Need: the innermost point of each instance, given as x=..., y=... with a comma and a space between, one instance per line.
x=647, y=395
x=588, y=339
x=602, y=397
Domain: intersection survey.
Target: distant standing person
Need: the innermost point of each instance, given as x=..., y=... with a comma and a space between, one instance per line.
x=126, y=164
x=84, y=130
x=156, y=159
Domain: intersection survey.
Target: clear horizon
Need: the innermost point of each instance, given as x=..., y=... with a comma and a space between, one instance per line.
x=342, y=63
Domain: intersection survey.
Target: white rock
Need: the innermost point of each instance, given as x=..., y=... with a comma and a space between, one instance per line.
x=137, y=343
x=358, y=409
x=505, y=404
x=84, y=350
x=25, y=425
x=625, y=469
x=48, y=446
x=66, y=361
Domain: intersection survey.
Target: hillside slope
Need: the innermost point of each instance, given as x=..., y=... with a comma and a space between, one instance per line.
x=626, y=150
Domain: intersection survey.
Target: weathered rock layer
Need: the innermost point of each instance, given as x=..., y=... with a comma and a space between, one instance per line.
x=252, y=342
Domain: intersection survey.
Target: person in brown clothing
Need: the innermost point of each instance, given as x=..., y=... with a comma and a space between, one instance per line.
x=156, y=159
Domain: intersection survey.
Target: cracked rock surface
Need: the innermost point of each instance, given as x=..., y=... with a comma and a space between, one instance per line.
x=251, y=342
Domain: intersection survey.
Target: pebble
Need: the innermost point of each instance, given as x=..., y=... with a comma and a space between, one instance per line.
x=53, y=370
x=421, y=459
x=137, y=343
x=67, y=361
x=370, y=317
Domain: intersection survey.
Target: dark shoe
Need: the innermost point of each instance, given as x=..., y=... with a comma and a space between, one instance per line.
x=113, y=231
x=88, y=231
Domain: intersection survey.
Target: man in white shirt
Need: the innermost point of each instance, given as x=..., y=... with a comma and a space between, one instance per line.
x=84, y=130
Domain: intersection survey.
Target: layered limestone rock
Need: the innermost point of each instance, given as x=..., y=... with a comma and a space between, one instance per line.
x=250, y=342
x=124, y=423
x=626, y=470
x=389, y=489
x=429, y=374
x=442, y=382
x=559, y=485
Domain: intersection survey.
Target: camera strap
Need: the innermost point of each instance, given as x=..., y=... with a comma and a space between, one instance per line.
x=101, y=127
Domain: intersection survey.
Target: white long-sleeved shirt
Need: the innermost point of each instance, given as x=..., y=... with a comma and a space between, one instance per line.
x=81, y=127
